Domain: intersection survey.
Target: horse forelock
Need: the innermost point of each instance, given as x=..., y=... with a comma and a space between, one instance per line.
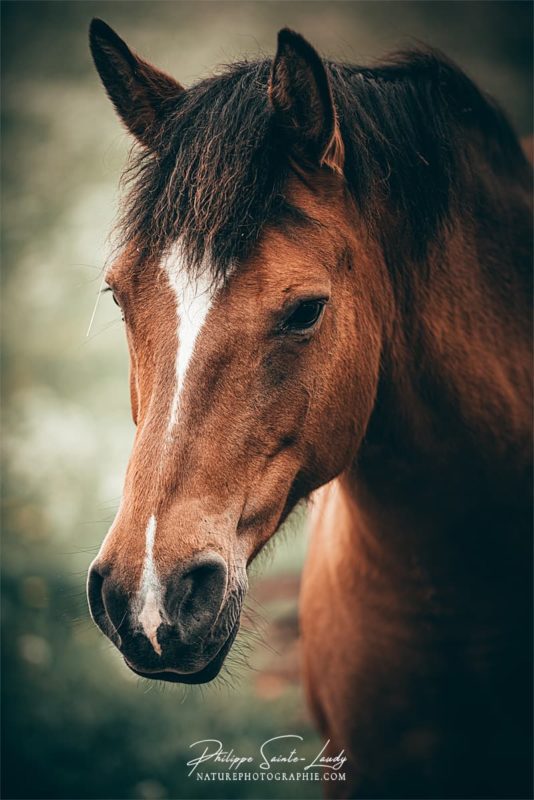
x=218, y=170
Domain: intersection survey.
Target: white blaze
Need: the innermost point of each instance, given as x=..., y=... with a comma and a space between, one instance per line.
x=150, y=592
x=194, y=297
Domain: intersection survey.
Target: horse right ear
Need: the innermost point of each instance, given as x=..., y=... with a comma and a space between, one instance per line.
x=141, y=93
x=301, y=97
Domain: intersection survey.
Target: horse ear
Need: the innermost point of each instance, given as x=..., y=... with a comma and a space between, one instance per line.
x=141, y=93
x=301, y=96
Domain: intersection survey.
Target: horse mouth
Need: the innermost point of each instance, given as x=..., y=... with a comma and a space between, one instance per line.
x=205, y=675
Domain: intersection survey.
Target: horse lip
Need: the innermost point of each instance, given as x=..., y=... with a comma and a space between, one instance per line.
x=204, y=675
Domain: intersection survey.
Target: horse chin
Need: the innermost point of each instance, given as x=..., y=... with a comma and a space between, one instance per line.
x=204, y=675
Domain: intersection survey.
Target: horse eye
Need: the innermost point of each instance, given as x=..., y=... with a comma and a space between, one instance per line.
x=107, y=289
x=113, y=295
x=305, y=316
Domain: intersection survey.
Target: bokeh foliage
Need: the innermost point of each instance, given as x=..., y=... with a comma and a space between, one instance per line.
x=76, y=723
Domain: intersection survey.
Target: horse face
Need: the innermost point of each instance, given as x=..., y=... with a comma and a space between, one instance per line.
x=240, y=388
x=239, y=392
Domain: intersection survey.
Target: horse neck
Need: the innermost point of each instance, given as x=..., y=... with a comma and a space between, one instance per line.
x=444, y=471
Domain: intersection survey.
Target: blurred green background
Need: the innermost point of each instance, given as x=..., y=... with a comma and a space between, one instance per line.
x=76, y=723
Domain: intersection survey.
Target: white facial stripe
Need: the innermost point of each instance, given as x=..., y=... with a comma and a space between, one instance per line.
x=150, y=620
x=194, y=298
x=193, y=302
x=150, y=591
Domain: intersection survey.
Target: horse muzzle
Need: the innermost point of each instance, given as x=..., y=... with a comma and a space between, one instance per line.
x=181, y=631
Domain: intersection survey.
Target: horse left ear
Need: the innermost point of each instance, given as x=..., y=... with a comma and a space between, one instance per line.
x=301, y=96
x=141, y=93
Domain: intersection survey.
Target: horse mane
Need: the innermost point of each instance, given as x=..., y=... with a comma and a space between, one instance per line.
x=414, y=129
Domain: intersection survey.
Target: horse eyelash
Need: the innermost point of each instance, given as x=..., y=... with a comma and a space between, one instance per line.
x=106, y=289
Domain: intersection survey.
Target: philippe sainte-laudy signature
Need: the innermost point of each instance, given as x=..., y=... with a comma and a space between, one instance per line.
x=275, y=752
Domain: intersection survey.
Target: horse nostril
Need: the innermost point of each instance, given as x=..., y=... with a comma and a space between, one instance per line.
x=195, y=594
x=94, y=591
x=103, y=604
x=95, y=582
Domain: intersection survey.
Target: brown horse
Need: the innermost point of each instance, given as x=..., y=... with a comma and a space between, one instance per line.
x=325, y=279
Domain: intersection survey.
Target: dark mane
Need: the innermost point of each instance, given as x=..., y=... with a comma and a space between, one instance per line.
x=412, y=127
